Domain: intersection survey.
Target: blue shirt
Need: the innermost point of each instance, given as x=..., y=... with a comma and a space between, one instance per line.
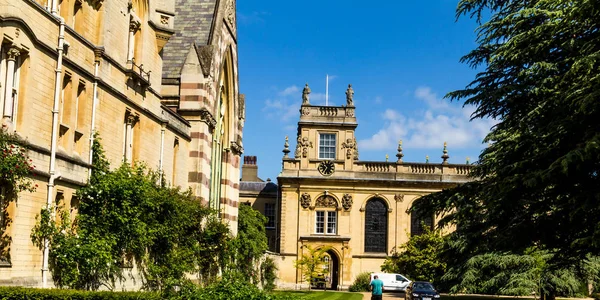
x=377, y=286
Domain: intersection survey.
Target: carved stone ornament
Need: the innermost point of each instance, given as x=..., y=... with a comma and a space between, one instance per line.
x=206, y=117
x=351, y=148
x=350, y=96
x=205, y=55
x=305, y=200
x=236, y=148
x=326, y=201
x=12, y=53
x=399, y=198
x=347, y=201
x=305, y=95
x=350, y=112
x=230, y=14
x=302, y=146
x=305, y=111
x=242, y=106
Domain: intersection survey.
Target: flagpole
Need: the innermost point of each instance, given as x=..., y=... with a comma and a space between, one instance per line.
x=327, y=90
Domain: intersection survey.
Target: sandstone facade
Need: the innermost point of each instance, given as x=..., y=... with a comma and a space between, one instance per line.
x=157, y=79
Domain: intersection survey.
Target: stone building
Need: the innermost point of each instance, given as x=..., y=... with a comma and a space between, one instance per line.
x=331, y=198
x=158, y=81
x=262, y=196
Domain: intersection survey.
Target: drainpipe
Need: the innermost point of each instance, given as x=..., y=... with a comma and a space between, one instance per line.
x=97, y=54
x=52, y=171
x=162, y=151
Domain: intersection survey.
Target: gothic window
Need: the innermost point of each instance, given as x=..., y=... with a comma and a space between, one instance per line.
x=80, y=113
x=77, y=22
x=376, y=226
x=417, y=224
x=327, y=146
x=326, y=222
x=270, y=214
x=10, y=66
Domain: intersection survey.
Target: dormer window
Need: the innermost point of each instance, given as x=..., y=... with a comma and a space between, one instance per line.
x=327, y=146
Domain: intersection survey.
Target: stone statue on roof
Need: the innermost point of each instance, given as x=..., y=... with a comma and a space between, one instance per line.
x=305, y=93
x=350, y=96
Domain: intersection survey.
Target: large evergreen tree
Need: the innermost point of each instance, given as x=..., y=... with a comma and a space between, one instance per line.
x=538, y=180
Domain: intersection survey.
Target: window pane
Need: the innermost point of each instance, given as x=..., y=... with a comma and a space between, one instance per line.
x=331, y=221
x=270, y=214
x=327, y=146
x=320, y=222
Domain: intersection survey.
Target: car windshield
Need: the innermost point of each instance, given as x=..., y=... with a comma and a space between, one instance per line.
x=422, y=286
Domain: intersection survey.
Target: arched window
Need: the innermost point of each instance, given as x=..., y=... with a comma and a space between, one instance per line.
x=376, y=226
x=417, y=225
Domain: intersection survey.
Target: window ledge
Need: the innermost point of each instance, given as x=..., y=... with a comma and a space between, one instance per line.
x=321, y=237
x=4, y=263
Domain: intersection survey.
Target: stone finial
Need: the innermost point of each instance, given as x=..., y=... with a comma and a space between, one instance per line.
x=445, y=156
x=426, y=159
x=399, y=155
x=387, y=158
x=468, y=161
x=305, y=93
x=286, y=147
x=350, y=96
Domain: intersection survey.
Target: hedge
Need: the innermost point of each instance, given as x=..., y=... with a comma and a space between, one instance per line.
x=18, y=293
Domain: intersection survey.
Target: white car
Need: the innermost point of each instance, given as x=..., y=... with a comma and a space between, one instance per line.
x=392, y=282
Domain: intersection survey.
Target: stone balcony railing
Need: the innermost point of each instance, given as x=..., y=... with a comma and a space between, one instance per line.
x=411, y=168
x=342, y=114
x=383, y=170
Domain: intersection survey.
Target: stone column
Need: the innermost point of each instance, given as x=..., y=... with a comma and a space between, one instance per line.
x=129, y=137
x=11, y=59
x=133, y=27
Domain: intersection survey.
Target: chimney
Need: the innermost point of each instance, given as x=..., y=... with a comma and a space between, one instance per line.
x=250, y=169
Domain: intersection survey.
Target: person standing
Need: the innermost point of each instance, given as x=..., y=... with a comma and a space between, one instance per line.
x=376, y=288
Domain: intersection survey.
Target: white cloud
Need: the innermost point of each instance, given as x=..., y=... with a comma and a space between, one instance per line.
x=439, y=123
x=291, y=90
x=378, y=100
x=285, y=103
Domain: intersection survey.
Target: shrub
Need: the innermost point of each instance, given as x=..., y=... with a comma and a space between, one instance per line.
x=19, y=293
x=268, y=274
x=361, y=283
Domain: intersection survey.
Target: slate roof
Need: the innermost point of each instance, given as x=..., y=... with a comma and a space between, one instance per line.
x=264, y=187
x=193, y=22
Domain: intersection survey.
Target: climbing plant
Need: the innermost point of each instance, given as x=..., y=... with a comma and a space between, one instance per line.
x=15, y=176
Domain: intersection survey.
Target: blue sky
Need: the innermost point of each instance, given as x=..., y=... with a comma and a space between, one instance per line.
x=401, y=58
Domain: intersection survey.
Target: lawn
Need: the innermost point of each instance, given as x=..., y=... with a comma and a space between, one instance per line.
x=323, y=295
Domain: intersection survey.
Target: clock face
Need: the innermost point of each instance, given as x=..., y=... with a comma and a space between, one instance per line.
x=326, y=167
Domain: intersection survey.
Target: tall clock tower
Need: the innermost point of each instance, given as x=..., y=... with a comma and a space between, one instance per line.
x=325, y=143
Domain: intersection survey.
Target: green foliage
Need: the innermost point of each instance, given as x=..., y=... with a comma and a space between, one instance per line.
x=251, y=241
x=19, y=293
x=232, y=286
x=514, y=274
x=361, y=283
x=420, y=259
x=312, y=262
x=15, y=171
x=538, y=178
x=127, y=217
x=268, y=274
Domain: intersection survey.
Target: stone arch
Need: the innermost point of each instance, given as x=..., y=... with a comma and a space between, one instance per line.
x=376, y=196
x=338, y=203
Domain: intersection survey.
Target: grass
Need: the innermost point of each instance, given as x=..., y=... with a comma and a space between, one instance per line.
x=306, y=295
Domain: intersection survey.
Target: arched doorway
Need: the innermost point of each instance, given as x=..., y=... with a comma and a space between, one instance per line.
x=334, y=270
x=376, y=226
